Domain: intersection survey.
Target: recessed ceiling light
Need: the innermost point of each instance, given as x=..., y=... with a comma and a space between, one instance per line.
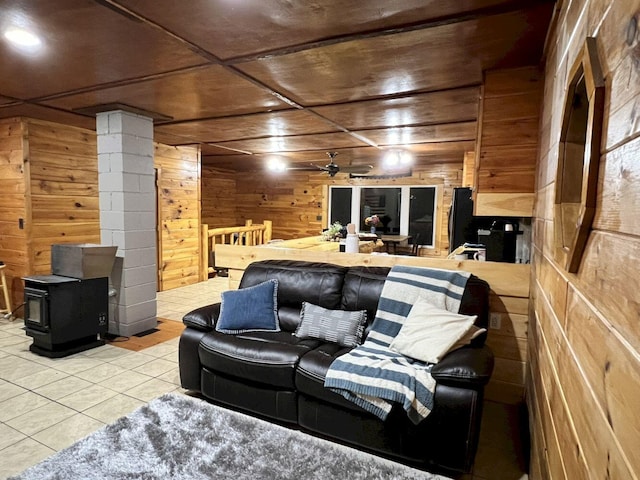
x=276, y=165
x=22, y=38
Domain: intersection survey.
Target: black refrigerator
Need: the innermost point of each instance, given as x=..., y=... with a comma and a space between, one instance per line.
x=462, y=225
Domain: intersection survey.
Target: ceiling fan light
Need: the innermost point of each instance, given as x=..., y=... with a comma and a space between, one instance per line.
x=391, y=159
x=276, y=165
x=406, y=158
x=395, y=159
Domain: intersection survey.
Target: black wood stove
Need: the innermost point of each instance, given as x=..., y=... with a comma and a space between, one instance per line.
x=68, y=312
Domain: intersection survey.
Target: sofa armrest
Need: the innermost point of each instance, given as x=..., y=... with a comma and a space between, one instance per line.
x=203, y=318
x=466, y=367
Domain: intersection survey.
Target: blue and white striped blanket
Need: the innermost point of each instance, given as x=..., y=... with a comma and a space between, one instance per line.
x=371, y=375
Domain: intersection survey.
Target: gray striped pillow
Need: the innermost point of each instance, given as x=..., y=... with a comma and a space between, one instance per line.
x=343, y=327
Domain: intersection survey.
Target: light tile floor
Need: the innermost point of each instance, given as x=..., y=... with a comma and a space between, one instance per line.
x=48, y=404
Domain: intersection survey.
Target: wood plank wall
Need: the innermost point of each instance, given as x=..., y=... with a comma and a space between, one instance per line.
x=13, y=239
x=218, y=197
x=49, y=173
x=178, y=214
x=509, y=284
x=584, y=342
x=63, y=196
x=295, y=200
x=508, y=141
x=56, y=196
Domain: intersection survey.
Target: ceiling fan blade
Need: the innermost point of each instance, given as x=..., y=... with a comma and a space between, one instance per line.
x=332, y=168
x=309, y=168
x=356, y=168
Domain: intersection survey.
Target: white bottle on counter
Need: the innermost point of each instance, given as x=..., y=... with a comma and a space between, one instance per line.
x=352, y=244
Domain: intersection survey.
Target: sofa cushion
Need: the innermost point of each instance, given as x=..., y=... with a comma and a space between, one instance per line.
x=268, y=358
x=430, y=332
x=312, y=371
x=336, y=326
x=250, y=309
x=362, y=289
x=298, y=281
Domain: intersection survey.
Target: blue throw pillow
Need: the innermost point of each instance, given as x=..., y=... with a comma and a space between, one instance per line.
x=252, y=309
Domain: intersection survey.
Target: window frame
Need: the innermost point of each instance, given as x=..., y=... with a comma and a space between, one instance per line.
x=405, y=199
x=572, y=231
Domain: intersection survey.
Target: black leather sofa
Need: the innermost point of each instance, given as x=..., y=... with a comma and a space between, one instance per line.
x=280, y=376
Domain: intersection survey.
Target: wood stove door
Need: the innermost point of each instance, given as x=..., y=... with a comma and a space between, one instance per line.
x=36, y=308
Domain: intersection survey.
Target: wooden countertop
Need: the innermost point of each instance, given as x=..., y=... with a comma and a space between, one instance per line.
x=317, y=244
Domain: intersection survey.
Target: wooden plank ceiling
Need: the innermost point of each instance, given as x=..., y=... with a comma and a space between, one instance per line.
x=249, y=79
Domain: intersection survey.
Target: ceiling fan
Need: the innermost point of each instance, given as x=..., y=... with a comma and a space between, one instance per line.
x=332, y=167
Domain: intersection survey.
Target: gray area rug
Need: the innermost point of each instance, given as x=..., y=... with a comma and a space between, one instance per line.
x=179, y=437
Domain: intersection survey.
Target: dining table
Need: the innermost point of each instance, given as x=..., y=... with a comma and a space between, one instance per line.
x=391, y=242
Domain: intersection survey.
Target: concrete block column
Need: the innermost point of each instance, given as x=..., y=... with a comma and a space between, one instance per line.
x=126, y=179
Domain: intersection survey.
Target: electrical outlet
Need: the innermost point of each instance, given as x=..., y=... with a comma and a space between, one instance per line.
x=495, y=319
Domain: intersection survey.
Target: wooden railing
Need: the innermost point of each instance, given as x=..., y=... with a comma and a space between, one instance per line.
x=249, y=235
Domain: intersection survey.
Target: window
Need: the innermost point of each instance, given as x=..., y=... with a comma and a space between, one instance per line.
x=578, y=158
x=340, y=210
x=383, y=202
x=422, y=206
x=403, y=210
